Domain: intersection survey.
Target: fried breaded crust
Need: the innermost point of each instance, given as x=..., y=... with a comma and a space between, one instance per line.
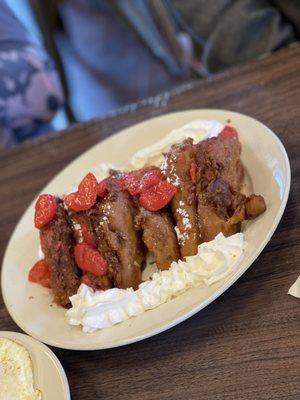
x=159, y=236
x=57, y=244
x=118, y=240
x=177, y=169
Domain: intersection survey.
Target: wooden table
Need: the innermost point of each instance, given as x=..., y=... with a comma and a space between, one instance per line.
x=246, y=344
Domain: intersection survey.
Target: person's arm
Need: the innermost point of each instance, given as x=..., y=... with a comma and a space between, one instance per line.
x=30, y=92
x=231, y=32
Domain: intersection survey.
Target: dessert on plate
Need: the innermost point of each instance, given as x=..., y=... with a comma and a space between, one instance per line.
x=175, y=210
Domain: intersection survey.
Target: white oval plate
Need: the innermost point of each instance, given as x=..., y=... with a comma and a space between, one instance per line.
x=266, y=163
x=48, y=373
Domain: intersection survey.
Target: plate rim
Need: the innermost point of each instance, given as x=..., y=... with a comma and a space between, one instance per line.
x=206, y=302
x=43, y=348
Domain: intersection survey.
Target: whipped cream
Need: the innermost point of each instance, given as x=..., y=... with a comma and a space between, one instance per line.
x=153, y=155
x=197, y=130
x=103, y=309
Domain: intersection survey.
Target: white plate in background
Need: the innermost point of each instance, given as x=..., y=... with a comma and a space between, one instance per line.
x=48, y=373
x=266, y=164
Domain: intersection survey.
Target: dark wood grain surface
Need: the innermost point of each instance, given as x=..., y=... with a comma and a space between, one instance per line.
x=245, y=345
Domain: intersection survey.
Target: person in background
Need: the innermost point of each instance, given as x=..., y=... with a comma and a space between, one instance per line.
x=133, y=49
x=116, y=52
x=30, y=91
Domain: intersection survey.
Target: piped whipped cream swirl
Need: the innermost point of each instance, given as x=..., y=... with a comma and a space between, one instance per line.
x=102, y=309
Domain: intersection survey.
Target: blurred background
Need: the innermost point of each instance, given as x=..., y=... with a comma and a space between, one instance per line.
x=63, y=61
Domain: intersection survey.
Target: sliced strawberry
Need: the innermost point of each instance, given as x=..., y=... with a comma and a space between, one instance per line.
x=150, y=178
x=157, y=196
x=90, y=259
x=40, y=273
x=87, y=235
x=72, y=201
x=86, y=195
x=130, y=183
x=102, y=188
x=45, y=210
x=228, y=132
x=79, y=253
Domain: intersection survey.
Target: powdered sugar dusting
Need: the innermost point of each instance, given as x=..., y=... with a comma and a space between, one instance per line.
x=181, y=236
x=185, y=218
x=186, y=222
x=174, y=180
x=168, y=169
